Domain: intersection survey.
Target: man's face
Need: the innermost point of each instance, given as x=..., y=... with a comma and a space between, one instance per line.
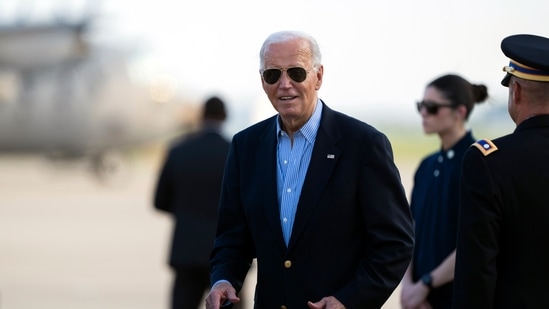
x=294, y=101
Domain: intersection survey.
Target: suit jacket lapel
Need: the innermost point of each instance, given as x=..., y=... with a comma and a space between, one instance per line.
x=267, y=186
x=323, y=160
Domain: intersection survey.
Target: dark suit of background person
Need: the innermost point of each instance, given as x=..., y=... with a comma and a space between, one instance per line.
x=188, y=188
x=353, y=236
x=502, y=258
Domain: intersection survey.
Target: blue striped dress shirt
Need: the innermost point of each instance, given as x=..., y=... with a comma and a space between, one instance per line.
x=292, y=163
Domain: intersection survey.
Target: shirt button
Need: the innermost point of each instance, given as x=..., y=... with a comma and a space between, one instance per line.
x=285, y=161
x=288, y=190
x=287, y=263
x=436, y=173
x=440, y=158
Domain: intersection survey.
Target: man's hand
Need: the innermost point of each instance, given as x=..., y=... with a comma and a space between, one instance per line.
x=326, y=303
x=221, y=294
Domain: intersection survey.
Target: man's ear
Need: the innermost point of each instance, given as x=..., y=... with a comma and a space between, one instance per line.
x=516, y=92
x=319, y=75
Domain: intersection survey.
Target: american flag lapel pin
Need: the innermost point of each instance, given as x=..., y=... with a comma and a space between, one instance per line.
x=330, y=156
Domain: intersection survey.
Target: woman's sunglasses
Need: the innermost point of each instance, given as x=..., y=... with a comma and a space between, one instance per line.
x=297, y=74
x=431, y=107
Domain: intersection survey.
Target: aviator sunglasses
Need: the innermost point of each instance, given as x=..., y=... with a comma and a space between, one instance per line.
x=297, y=74
x=431, y=107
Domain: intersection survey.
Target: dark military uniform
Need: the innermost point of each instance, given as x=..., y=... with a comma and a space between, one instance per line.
x=504, y=222
x=502, y=258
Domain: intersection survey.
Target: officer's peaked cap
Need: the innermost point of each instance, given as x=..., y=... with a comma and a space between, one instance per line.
x=529, y=57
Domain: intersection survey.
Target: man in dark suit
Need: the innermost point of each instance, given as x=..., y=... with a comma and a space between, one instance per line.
x=313, y=195
x=502, y=258
x=188, y=188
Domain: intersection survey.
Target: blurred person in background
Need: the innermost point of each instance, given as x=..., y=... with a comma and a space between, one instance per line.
x=188, y=189
x=502, y=258
x=312, y=194
x=446, y=106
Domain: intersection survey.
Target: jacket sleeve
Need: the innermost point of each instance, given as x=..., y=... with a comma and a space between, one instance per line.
x=478, y=233
x=164, y=187
x=388, y=228
x=232, y=255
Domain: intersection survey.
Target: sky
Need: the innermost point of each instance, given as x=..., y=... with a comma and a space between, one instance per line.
x=377, y=55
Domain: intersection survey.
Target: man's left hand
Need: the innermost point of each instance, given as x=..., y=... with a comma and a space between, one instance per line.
x=326, y=303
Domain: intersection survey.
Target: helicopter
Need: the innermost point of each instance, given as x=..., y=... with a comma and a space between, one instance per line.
x=66, y=97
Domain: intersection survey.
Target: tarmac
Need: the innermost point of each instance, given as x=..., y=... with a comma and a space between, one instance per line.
x=69, y=241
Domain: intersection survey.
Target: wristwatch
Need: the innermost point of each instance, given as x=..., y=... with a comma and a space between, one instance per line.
x=427, y=280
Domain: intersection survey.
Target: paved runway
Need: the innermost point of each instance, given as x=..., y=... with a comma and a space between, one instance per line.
x=67, y=241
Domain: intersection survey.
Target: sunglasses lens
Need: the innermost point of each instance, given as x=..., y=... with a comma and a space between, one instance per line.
x=431, y=108
x=297, y=74
x=271, y=76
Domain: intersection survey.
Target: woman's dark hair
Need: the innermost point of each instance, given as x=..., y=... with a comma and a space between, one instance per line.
x=460, y=92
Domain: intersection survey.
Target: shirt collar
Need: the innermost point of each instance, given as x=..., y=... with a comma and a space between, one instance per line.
x=310, y=128
x=459, y=147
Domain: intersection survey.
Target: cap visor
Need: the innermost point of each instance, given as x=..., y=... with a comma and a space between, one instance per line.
x=506, y=79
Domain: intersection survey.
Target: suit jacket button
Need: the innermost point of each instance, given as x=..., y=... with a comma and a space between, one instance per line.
x=288, y=264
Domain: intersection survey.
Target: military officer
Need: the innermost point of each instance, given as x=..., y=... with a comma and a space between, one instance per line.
x=502, y=258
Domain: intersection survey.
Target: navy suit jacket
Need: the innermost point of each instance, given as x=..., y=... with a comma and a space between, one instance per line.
x=353, y=232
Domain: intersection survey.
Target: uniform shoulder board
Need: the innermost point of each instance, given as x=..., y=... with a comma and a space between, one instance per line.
x=485, y=146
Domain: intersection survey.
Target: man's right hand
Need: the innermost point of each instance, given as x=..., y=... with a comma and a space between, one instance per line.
x=221, y=294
